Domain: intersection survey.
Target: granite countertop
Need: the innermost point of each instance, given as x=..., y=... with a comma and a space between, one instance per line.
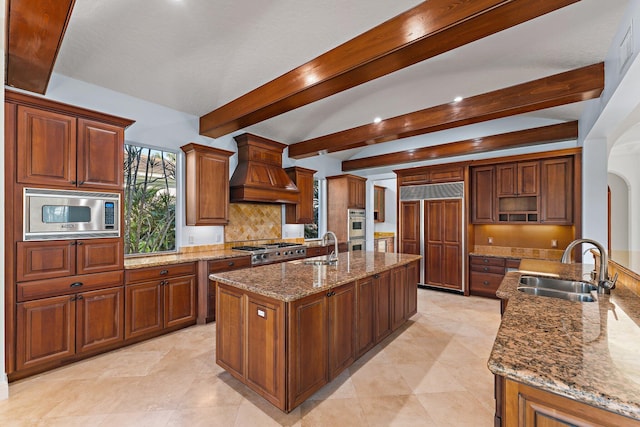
x=177, y=258
x=584, y=351
x=292, y=280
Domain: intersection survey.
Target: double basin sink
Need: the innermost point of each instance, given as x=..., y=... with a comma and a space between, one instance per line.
x=557, y=288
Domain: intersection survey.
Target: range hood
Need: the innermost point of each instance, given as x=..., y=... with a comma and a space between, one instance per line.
x=259, y=176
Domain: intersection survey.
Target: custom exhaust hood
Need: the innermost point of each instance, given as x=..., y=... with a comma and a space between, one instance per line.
x=259, y=176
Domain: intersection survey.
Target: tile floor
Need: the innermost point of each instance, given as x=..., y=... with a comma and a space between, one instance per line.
x=431, y=372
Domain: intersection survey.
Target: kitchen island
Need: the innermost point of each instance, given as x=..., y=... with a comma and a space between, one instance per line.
x=285, y=330
x=560, y=363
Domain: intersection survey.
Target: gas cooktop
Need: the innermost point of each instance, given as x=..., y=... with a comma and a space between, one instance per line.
x=273, y=252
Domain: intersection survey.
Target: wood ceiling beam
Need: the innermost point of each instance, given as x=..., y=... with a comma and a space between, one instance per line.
x=540, y=135
x=35, y=29
x=560, y=89
x=429, y=29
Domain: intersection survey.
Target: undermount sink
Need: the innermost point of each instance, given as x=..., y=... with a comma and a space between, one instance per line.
x=557, y=284
x=557, y=288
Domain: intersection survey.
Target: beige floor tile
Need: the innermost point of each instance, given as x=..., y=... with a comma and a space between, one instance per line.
x=456, y=409
x=430, y=377
x=379, y=379
x=255, y=411
x=340, y=388
x=337, y=412
x=204, y=417
x=401, y=411
x=136, y=419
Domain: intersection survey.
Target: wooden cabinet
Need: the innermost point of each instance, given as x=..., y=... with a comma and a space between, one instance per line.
x=409, y=227
x=431, y=175
x=527, y=406
x=383, y=305
x=318, y=250
x=366, y=315
x=50, y=330
x=378, y=203
x=384, y=244
x=61, y=150
x=341, y=306
x=60, y=258
x=220, y=266
x=159, y=299
x=302, y=212
x=207, y=185
x=411, y=281
x=486, y=274
x=443, y=243
x=483, y=210
x=517, y=179
x=556, y=205
x=343, y=192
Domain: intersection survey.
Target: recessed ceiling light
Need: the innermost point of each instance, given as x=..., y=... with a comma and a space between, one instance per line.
x=458, y=99
x=377, y=120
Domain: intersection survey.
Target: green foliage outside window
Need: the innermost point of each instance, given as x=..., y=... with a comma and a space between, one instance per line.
x=311, y=230
x=149, y=200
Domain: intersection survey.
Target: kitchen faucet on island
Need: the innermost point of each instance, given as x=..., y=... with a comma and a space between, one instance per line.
x=332, y=258
x=604, y=284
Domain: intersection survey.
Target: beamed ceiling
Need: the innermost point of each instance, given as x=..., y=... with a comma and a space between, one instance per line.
x=314, y=74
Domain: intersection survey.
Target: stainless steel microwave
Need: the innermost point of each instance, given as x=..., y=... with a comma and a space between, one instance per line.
x=66, y=214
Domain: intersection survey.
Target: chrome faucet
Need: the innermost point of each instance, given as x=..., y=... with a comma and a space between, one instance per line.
x=604, y=284
x=332, y=258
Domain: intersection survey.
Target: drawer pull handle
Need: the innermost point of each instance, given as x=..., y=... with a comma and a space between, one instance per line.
x=75, y=285
x=486, y=268
x=485, y=260
x=231, y=263
x=486, y=283
x=164, y=272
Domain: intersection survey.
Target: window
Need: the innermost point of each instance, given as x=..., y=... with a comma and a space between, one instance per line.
x=149, y=200
x=311, y=230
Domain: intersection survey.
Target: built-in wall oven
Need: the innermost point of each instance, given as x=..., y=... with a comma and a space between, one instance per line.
x=356, y=229
x=66, y=214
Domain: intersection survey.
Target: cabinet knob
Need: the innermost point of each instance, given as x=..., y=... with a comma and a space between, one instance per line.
x=486, y=283
x=80, y=243
x=81, y=182
x=231, y=263
x=485, y=260
x=164, y=272
x=485, y=268
x=376, y=276
x=80, y=297
x=74, y=182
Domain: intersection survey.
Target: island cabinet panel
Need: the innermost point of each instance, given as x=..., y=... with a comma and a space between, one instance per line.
x=399, y=297
x=218, y=266
x=230, y=330
x=265, y=348
x=308, y=347
x=527, y=406
x=342, y=328
x=383, y=304
x=366, y=315
x=412, y=273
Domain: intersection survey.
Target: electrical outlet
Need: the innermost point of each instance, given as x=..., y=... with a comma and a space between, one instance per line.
x=554, y=243
x=490, y=240
x=191, y=239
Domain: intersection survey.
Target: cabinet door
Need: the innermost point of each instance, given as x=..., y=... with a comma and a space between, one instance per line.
x=410, y=227
x=366, y=315
x=412, y=288
x=483, y=209
x=45, y=331
x=443, y=243
x=46, y=148
x=230, y=335
x=97, y=255
x=179, y=300
x=399, y=297
x=378, y=203
x=144, y=309
x=557, y=191
x=45, y=260
x=506, y=180
x=356, y=198
x=100, y=155
x=265, y=348
x=342, y=328
x=384, y=304
x=100, y=319
x=308, y=347
x=302, y=212
x=528, y=179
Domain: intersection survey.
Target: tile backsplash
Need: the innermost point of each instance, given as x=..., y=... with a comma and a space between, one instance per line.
x=253, y=221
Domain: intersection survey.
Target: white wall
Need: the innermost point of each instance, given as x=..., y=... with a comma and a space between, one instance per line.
x=625, y=164
x=619, y=211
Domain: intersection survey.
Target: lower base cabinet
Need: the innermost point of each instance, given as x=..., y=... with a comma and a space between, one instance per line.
x=53, y=329
x=526, y=406
x=160, y=298
x=287, y=351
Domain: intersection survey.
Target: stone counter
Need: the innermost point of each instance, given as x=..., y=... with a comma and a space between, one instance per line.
x=293, y=280
x=587, y=352
x=178, y=258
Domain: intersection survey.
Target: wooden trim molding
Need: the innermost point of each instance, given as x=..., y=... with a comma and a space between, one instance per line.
x=427, y=30
x=35, y=29
x=540, y=135
x=565, y=88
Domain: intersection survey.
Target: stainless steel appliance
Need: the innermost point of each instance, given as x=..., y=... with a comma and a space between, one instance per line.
x=65, y=214
x=273, y=252
x=357, y=245
x=356, y=224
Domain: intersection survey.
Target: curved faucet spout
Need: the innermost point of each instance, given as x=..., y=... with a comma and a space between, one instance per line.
x=333, y=256
x=604, y=284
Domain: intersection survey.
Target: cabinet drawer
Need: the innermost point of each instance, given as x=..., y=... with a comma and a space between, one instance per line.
x=162, y=272
x=477, y=260
x=316, y=251
x=68, y=285
x=492, y=269
x=512, y=263
x=45, y=260
x=485, y=284
x=229, y=264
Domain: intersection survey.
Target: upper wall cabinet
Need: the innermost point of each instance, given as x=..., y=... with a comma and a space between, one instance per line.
x=207, y=185
x=556, y=205
x=302, y=212
x=378, y=203
x=482, y=195
x=60, y=150
x=431, y=175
